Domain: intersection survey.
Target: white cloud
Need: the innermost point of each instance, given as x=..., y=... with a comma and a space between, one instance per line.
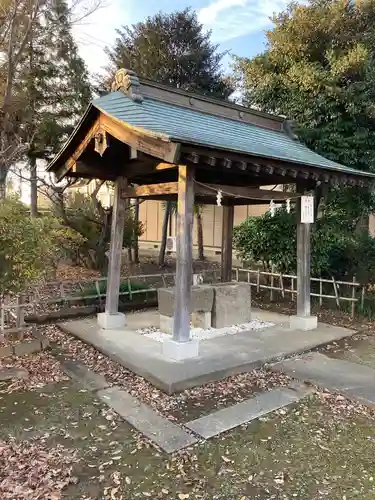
x=97, y=31
x=234, y=18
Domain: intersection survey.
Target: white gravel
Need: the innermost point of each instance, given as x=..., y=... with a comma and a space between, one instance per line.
x=209, y=333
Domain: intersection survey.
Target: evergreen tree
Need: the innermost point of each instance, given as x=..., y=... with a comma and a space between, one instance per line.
x=172, y=49
x=55, y=81
x=319, y=70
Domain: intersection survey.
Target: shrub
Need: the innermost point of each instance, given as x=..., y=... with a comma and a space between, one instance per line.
x=268, y=239
x=29, y=247
x=336, y=250
x=92, y=223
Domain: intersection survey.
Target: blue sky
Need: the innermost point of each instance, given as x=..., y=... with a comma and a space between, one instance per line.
x=237, y=25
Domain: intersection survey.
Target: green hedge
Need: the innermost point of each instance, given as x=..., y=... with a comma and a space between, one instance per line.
x=335, y=250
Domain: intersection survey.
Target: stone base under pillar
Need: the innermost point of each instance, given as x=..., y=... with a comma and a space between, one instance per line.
x=111, y=321
x=179, y=351
x=303, y=323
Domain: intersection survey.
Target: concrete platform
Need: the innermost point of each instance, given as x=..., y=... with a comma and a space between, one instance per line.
x=355, y=381
x=218, y=357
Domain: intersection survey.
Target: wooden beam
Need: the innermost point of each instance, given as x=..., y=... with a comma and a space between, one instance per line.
x=254, y=167
x=94, y=129
x=165, y=166
x=281, y=171
x=210, y=160
x=184, y=254
x=115, y=248
x=242, y=192
x=93, y=171
x=303, y=174
x=241, y=165
x=193, y=157
x=147, y=142
x=226, y=244
x=145, y=191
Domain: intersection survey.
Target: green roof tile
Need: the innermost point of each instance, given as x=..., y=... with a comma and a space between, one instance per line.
x=191, y=126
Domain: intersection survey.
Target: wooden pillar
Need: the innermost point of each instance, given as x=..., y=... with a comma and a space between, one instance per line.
x=226, y=243
x=303, y=265
x=115, y=249
x=184, y=254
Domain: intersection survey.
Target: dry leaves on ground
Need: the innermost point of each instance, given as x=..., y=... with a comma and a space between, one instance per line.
x=75, y=273
x=30, y=470
x=342, y=407
x=42, y=369
x=228, y=391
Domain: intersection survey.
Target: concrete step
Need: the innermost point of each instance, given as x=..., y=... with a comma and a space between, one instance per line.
x=357, y=382
x=242, y=413
x=161, y=431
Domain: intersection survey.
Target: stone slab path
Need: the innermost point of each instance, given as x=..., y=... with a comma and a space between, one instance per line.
x=12, y=373
x=167, y=435
x=80, y=373
x=242, y=413
x=355, y=381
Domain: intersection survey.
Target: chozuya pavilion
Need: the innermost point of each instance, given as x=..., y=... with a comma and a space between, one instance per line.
x=164, y=143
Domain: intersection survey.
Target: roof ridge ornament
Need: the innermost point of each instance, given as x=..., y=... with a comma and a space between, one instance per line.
x=288, y=128
x=127, y=81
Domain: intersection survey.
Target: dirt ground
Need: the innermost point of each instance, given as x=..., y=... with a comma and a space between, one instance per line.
x=57, y=441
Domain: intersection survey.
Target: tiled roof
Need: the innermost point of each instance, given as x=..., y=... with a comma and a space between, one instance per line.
x=191, y=126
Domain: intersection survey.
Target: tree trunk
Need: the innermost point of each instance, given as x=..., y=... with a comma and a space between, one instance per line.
x=163, y=244
x=130, y=255
x=2, y=189
x=33, y=188
x=3, y=180
x=200, y=233
x=136, y=223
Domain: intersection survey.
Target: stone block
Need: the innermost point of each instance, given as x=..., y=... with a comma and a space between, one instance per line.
x=303, y=323
x=13, y=373
x=88, y=378
x=228, y=418
x=42, y=338
x=111, y=321
x=198, y=320
x=202, y=297
x=178, y=351
x=166, y=323
x=201, y=319
x=6, y=351
x=161, y=431
x=232, y=304
x=27, y=347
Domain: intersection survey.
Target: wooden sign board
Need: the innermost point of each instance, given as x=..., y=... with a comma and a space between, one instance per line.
x=307, y=209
